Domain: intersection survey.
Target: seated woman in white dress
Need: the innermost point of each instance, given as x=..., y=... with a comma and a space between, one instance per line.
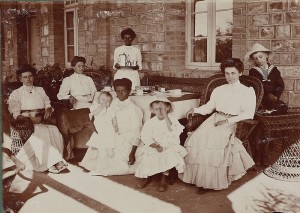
x=216, y=157
x=162, y=150
x=127, y=138
x=128, y=59
x=43, y=150
x=78, y=88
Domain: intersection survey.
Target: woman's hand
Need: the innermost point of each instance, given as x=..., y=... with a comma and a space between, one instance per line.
x=36, y=120
x=48, y=113
x=190, y=112
x=117, y=66
x=72, y=99
x=136, y=67
x=220, y=123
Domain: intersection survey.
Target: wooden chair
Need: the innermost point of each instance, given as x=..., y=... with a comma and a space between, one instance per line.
x=245, y=127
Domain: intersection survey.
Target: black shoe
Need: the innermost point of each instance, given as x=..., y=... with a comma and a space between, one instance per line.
x=142, y=182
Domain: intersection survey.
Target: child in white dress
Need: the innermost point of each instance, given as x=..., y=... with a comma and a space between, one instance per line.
x=162, y=150
x=106, y=128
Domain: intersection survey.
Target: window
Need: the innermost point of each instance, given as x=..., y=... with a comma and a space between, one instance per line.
x=71, y=31
x=208, y=33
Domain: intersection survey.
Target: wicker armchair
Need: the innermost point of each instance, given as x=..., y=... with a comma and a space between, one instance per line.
x=244, y=128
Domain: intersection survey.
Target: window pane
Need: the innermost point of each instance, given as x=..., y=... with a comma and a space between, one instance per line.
x=69, y=18
x=70, y=53
x=224, y=21
x=200, y=23
x=200, y=6
x=223, y=48
x=224, y=4
x=70, y=37
x=199, y=49
x=224, y=24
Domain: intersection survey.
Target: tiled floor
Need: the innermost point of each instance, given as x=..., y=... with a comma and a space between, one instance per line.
x=76, y=191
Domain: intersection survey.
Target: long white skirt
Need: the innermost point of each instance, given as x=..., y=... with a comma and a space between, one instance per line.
x=43, y=149
x=215, y=156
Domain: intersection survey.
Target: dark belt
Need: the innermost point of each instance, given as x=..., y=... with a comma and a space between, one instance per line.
x=227, y=115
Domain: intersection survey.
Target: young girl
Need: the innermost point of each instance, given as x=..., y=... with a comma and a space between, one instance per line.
x=106, y=127
x=162, y=150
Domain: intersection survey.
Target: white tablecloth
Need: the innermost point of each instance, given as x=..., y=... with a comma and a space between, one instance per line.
x=143, y=101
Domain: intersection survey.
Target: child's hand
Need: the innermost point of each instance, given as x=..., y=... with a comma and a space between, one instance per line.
x=163, y=109
x=157, y=147
x=272, y=97
x=98, y=109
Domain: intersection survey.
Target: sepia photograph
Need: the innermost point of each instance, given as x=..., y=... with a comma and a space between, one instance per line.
x=150, y=106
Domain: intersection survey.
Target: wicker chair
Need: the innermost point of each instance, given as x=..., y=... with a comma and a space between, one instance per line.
x=245, y=127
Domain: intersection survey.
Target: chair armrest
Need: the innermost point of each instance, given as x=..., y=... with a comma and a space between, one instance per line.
x=193, y=122
x=244, y=128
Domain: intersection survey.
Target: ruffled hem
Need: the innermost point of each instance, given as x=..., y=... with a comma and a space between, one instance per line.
x=160, y=162
x=218, y=178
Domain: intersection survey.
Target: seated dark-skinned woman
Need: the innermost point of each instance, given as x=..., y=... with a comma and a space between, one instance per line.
x=216, y=157
x=43, y=150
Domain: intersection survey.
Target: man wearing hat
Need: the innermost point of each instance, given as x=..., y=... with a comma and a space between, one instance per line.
x=273, y=84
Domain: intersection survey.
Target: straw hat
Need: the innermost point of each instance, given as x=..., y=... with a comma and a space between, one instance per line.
x=256, y=48
x=162, y=99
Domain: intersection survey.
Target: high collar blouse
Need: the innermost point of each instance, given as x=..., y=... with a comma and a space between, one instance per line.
x=27, y=98
x=77, y=85
x=235, y=99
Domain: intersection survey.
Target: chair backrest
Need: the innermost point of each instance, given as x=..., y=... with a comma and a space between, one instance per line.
x=218, y=80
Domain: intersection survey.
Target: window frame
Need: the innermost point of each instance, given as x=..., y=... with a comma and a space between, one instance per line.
x=211, y=37
x=71, y=8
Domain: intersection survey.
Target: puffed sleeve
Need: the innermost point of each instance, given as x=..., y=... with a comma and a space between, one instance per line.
x=14, y=103
x=116, y=57
x=64, y=90
x=136, y=125
x=139, y=58
x=93, y=88
x=45, y=97
x=210, y=106
x=247, y=108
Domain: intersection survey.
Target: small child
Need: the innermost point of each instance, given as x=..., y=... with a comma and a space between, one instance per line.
x=162, y=150
x=106, y=127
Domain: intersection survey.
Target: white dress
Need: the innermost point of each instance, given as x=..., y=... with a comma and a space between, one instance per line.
x=128, y=56
x=45, y=146
x=81, y=87
x=215, y=156
x=129, y=119
x=154, y=162
x=104, y=138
